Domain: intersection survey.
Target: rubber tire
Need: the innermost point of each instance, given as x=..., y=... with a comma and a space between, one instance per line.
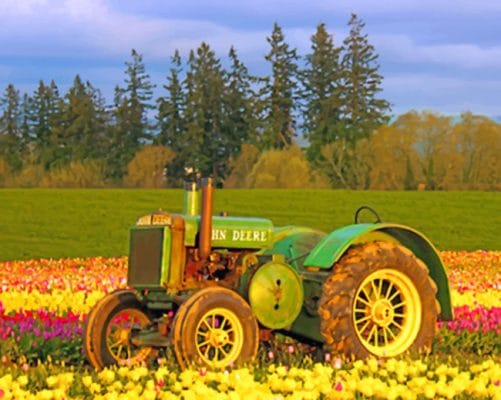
x=339, y=291
x=97, y=323
x=190, y=313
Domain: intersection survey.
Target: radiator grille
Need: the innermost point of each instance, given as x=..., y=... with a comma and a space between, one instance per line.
x=145, y=257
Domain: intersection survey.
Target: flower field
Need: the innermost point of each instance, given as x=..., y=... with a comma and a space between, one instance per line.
x=43, y=308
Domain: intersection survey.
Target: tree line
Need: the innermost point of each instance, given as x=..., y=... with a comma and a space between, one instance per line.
x=317, y=120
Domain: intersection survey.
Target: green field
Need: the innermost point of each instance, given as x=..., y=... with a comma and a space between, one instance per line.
x=50, y=223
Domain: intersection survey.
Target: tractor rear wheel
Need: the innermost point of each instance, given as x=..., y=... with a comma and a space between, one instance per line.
x=108, y=331
x=215, y=328
x=379, y=300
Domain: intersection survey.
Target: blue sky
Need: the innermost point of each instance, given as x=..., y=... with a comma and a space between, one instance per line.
x=435, y=55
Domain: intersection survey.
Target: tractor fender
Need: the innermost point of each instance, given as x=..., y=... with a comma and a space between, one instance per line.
x=332, y=247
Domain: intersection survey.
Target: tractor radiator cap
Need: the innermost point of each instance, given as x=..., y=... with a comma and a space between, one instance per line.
x=276, y=295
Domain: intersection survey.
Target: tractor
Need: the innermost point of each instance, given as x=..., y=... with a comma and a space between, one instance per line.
x=211, y=287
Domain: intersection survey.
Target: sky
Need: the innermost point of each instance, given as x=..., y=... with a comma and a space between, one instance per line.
x=437, y=55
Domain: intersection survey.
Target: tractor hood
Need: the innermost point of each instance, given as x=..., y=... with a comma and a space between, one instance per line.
x=232, y=232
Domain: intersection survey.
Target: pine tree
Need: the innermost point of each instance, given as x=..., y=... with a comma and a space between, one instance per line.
x=240, y=108
x=130, y=129
x=171, y=108
x=45, y=114
x=10, y=130
x=80, y=135
x=280, y=92
x=205, y=150
x=322, y=82
x=363, y=110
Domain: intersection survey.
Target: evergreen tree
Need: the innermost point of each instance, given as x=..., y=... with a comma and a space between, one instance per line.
x=240, y=108
x=363, y=110
x=80, y=135
x=205, y=149
x=45, y=113
x=280, y=92
x=10, y=130
x=322, y=84
x=131, y=128
x=171, y=108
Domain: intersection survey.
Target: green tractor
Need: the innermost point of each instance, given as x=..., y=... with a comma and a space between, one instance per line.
x=210, y=287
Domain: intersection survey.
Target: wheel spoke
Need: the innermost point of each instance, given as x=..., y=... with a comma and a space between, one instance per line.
x=394, y=295
x=117, y=343
x=363, y=301
x=380, y=289
x=359, y=320
x=365, y=327
x=374, y=328
x=374, y=290
x=402, y=303
x=221, y=349
x=207, y=325
x=202, y=344
x=385, y=336
x=367, y=295
x=396, y=324
x=387, y=329
x=388, y=289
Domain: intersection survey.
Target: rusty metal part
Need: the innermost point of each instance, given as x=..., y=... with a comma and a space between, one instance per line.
x=204, y=244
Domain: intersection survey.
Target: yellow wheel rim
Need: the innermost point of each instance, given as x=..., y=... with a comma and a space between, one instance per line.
x=387, y=313
x=219, y=337
x=118, y=337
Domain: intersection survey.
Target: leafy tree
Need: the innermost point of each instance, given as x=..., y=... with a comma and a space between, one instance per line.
x=241, y=166
x=280, y=93
x=76, y=174
x=477, y=164
x=347, y=166
x=322, y=83
x=282, y=168
x=130, y=128
x=11, y=144
x=148, y=167
x=363, y=110
x=396, y=162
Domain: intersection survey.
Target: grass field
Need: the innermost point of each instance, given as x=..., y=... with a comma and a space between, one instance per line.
x=50, y=223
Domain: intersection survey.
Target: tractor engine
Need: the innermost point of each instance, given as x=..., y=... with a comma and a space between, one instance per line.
x=191, y=250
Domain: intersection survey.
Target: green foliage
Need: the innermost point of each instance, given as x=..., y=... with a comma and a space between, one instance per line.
x=322, y=82
x=11, y=145
x=80, y=135
x=130, y=123
x=280, y=92
x=363, y=110
x=53, y=223
x=148, y=167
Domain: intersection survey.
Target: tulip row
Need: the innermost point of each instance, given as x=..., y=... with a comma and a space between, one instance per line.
x=391, y=379
x=477, y=271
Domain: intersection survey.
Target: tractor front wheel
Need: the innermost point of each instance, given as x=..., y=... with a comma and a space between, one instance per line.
x=108, y=330
x=379, y=300
x=215, y=328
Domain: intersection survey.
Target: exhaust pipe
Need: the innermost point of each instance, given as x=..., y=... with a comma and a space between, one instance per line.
x=204, y=242
x=191, y=202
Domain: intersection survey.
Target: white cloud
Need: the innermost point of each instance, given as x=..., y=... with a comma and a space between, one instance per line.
x=462, y=55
